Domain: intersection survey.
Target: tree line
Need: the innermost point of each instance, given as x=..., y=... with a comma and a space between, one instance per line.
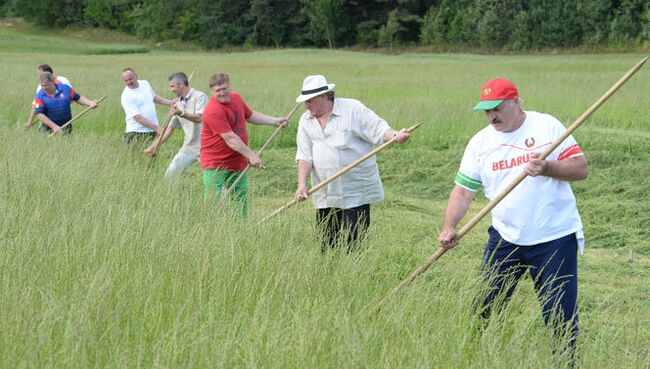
x=516, y=25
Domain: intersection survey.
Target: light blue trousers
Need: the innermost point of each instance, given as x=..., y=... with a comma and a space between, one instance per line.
x=180, y=163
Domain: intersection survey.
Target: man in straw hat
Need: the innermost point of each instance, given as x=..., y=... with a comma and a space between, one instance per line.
x=224, y=140
x=333, y=133
x=536, y=228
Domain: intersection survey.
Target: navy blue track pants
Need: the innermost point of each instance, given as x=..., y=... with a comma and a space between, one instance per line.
x=553, y=267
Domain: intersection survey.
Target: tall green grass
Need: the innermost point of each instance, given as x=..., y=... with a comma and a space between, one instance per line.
x=106, y=264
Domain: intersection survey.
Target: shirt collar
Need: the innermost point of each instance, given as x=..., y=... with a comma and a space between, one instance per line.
x=189, y=94
x=336, y=109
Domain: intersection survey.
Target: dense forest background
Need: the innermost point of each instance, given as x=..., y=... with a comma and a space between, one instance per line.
x=508, y=25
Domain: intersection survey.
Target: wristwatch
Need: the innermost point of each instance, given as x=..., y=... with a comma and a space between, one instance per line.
x=182, y=114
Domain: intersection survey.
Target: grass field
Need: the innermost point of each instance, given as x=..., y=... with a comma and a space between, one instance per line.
x=104, y=264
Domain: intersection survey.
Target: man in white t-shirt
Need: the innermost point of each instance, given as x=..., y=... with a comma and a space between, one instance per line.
x=187, y=114
x=57, y=80
x=536, y=228
x=332, y=134
x=138, y=101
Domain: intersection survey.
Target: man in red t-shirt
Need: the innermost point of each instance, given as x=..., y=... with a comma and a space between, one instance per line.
x=224, y=139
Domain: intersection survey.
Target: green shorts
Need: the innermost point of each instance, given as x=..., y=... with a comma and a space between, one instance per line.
x=216, y=181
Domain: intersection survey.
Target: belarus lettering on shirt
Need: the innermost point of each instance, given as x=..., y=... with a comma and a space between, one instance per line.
x=569, y=152
x=510, y=163
x=492, y=157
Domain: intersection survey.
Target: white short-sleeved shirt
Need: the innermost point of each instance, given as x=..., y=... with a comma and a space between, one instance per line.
x=539, y=209
x=351, y=131
x=136, y=101
x=57, y=79
x=194, y=103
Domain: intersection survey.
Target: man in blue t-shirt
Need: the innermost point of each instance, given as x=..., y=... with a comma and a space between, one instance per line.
x=52, y=104
x=57, y=79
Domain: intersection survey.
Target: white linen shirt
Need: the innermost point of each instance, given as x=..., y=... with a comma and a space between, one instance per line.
x=350, y=132
x=136, y=101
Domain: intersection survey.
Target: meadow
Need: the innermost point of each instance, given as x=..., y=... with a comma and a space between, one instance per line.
x=105, y=264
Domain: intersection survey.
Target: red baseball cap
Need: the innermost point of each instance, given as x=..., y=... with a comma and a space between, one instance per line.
x=494, y=92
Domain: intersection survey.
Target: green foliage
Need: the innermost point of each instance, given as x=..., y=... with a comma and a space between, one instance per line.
x=522, y=35
x=368, y=17
x=221, y=23
x=368, y=33
x=9, y=8
x=400, y=29
x=327, y=20
x=558, y=22
x=594, y=17
x=53, y=13
x=450, y=22
x=531, y=25
x=490, y=25
x=462, y=29
x=271, y=22
x=624, y=27
x=113, y=14
x=434, y=26
x=147, y=20
x=388, y=35
x=496, y=22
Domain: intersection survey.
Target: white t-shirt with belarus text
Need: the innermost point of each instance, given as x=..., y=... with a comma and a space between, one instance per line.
x=136, y=101
x=539, y=209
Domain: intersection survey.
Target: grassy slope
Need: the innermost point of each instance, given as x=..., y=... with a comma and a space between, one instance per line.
x=107, y=265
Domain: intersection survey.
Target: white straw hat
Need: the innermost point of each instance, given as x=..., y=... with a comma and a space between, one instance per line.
x=314, y=86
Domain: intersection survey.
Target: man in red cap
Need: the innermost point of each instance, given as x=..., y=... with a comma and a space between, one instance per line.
x=536, y=228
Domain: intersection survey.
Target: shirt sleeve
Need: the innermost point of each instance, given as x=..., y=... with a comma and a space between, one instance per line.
x=64, y=80
x=74, y=96
x=569, y=148
x=130, y=107
x=201, y=102
x=469, y=173
x=153, y=94
x=175, y=122
x=247, y=111
x=304, y=144
x=39, y=105
x=371, y=127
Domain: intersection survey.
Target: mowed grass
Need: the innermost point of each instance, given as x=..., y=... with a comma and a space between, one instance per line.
x=106, y=264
